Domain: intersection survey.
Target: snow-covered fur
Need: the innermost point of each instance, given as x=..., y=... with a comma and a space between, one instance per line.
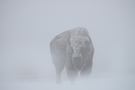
x=72, y=50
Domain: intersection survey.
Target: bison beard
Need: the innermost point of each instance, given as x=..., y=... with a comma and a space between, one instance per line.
x=73, y=51
x=77, y=62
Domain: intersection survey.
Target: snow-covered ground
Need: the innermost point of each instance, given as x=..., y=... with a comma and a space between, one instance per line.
x=106, y=82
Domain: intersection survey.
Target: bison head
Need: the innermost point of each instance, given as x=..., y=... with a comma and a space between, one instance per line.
x=78, y=44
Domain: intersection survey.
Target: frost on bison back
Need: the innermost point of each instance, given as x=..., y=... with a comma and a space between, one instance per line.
x=73, y=51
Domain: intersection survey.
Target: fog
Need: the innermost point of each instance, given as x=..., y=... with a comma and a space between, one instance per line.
x=28, y=26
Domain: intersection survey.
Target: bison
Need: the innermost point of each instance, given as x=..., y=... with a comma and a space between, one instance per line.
x=73, y=51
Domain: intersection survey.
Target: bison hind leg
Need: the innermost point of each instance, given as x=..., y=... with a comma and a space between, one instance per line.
x=59, y=69
x=58, y=76
x=59, y=63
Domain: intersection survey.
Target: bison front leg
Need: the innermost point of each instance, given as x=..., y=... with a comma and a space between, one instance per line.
x=86, y=70
x=87, y=66
x=72, y=73
x=70, y=70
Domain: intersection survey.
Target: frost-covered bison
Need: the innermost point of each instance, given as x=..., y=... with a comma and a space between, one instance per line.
x=73, y=51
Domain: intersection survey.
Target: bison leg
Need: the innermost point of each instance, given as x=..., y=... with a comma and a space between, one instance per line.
x=59, y=63
x=86, y=70
x=87, y=66
x=71, y=72
x=58, y=76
